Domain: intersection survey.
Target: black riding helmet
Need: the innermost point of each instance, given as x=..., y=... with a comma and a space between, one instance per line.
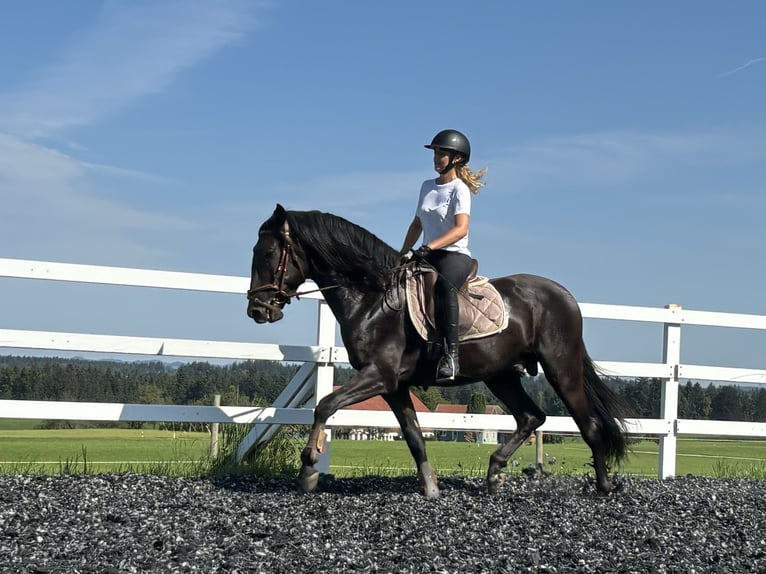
x=452, y=140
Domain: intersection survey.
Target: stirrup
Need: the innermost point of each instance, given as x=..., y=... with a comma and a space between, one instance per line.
x=447, y=368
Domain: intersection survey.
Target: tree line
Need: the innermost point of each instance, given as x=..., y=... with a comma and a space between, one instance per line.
x=242, y=383
x=695, y=401
x=259, y=383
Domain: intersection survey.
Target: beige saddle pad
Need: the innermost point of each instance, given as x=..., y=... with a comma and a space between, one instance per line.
x=482, y=312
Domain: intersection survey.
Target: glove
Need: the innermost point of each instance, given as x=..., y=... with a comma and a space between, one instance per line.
x=406, y=257
x=421, y=253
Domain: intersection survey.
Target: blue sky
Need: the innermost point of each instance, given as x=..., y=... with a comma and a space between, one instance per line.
x=625, y=142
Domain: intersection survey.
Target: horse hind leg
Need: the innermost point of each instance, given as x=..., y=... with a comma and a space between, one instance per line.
x=528, y=415
x=600, y=433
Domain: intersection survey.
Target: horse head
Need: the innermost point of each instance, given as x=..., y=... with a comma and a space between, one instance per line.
x=277, y=269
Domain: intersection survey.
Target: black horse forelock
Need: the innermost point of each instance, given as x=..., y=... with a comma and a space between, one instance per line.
x=347, y=250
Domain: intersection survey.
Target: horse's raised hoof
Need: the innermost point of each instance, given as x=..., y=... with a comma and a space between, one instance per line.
x=428, y=481
x=495, y=481
x=308, y=478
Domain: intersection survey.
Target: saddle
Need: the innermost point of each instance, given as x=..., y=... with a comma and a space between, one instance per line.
x=482, y=311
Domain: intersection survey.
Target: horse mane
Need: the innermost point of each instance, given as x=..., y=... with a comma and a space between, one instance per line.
x=346, y=250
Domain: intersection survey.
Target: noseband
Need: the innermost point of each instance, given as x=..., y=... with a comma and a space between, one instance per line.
x=281, y=295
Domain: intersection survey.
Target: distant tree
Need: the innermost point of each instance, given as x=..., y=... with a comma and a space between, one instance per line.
x=696, y=403
x=643, y=395
x=758, y=402
x=477, y=403
x=459, y=395
x=342, y=375
x=150, y=394
x=430, y=397
x=543, y=395
x=726, y=404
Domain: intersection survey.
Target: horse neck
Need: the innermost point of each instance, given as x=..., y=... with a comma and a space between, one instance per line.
x=345, y=300
x=339, y=293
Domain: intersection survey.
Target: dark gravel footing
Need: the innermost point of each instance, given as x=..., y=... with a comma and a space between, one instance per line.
x=136, y=523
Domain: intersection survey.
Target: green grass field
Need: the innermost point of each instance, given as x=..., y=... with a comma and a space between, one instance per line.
x=695, y=456
x=24, y=449
x=98, y=450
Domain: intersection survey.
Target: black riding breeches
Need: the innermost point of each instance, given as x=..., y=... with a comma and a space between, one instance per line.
x=453, y=270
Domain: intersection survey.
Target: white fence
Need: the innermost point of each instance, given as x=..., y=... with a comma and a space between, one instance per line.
x=315, y=377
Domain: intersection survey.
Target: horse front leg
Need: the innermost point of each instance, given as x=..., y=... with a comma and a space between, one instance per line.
x=365, y=384
x=401, y=405
x=308, y=477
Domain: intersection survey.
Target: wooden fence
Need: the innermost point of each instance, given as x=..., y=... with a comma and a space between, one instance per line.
x=315, y=378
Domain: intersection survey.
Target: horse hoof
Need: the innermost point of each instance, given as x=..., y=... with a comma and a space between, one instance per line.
x=604, y=488
x=431, y=491
x=309, y=479
x=495, y=481
x=428, y=481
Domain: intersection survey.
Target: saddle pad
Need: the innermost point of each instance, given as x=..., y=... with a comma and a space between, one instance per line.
x=481, y=315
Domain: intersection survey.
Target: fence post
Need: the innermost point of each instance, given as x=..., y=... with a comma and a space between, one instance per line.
x=671, y=356
x=538, y=447
x=214, y=431
x=324, y=375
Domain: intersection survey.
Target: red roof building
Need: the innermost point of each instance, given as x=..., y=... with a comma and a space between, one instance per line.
x=463, y=409
x=379, y=404
x=486, y=436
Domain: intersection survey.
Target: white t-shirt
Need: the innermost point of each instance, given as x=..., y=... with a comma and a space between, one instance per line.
x=437, y=207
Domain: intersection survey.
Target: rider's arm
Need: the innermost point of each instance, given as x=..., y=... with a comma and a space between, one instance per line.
x=413, y=233
x=460, y=230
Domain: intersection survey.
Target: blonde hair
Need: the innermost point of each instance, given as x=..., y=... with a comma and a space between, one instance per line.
x=471, y=178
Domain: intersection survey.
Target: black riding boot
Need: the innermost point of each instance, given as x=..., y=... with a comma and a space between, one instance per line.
x=447, y=369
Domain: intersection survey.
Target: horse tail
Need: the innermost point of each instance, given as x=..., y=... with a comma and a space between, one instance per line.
x=609, y=408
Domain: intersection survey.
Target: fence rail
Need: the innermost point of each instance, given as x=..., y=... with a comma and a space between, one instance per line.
x=315, y=378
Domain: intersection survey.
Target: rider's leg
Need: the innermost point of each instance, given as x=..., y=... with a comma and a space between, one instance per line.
x=453, y=269
x=448, y=366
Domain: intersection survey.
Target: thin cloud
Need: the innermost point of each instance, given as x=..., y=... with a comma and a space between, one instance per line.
x=128, y=173
x=43, y=183
x=134, y=49
x=356, y=191
x=51, y=210
x=590, y=164
x=742, y=67
x=611, y=161
x=60, y=204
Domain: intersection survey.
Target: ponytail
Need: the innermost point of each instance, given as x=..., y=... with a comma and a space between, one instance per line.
x=470, y=178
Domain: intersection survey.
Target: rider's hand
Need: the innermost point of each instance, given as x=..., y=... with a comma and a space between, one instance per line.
x=421, y=253
x=406, y=257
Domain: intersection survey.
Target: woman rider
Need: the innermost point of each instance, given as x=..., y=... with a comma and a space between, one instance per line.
x=443, y=216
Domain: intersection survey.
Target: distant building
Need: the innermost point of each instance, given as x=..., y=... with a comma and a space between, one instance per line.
x=481, y=437
x=378, y=403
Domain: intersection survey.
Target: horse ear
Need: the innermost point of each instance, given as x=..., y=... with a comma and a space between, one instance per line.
x=279, y=215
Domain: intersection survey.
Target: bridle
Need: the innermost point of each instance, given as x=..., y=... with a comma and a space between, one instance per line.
x=281, y=295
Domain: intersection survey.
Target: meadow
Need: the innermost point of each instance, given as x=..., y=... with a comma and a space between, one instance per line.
x=25, y=449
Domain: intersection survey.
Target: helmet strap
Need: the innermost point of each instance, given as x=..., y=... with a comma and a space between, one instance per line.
x=451, y=164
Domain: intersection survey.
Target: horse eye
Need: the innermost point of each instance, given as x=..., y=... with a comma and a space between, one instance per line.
x=266, y=254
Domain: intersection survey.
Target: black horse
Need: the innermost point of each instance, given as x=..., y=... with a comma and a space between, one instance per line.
x=353, y=269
